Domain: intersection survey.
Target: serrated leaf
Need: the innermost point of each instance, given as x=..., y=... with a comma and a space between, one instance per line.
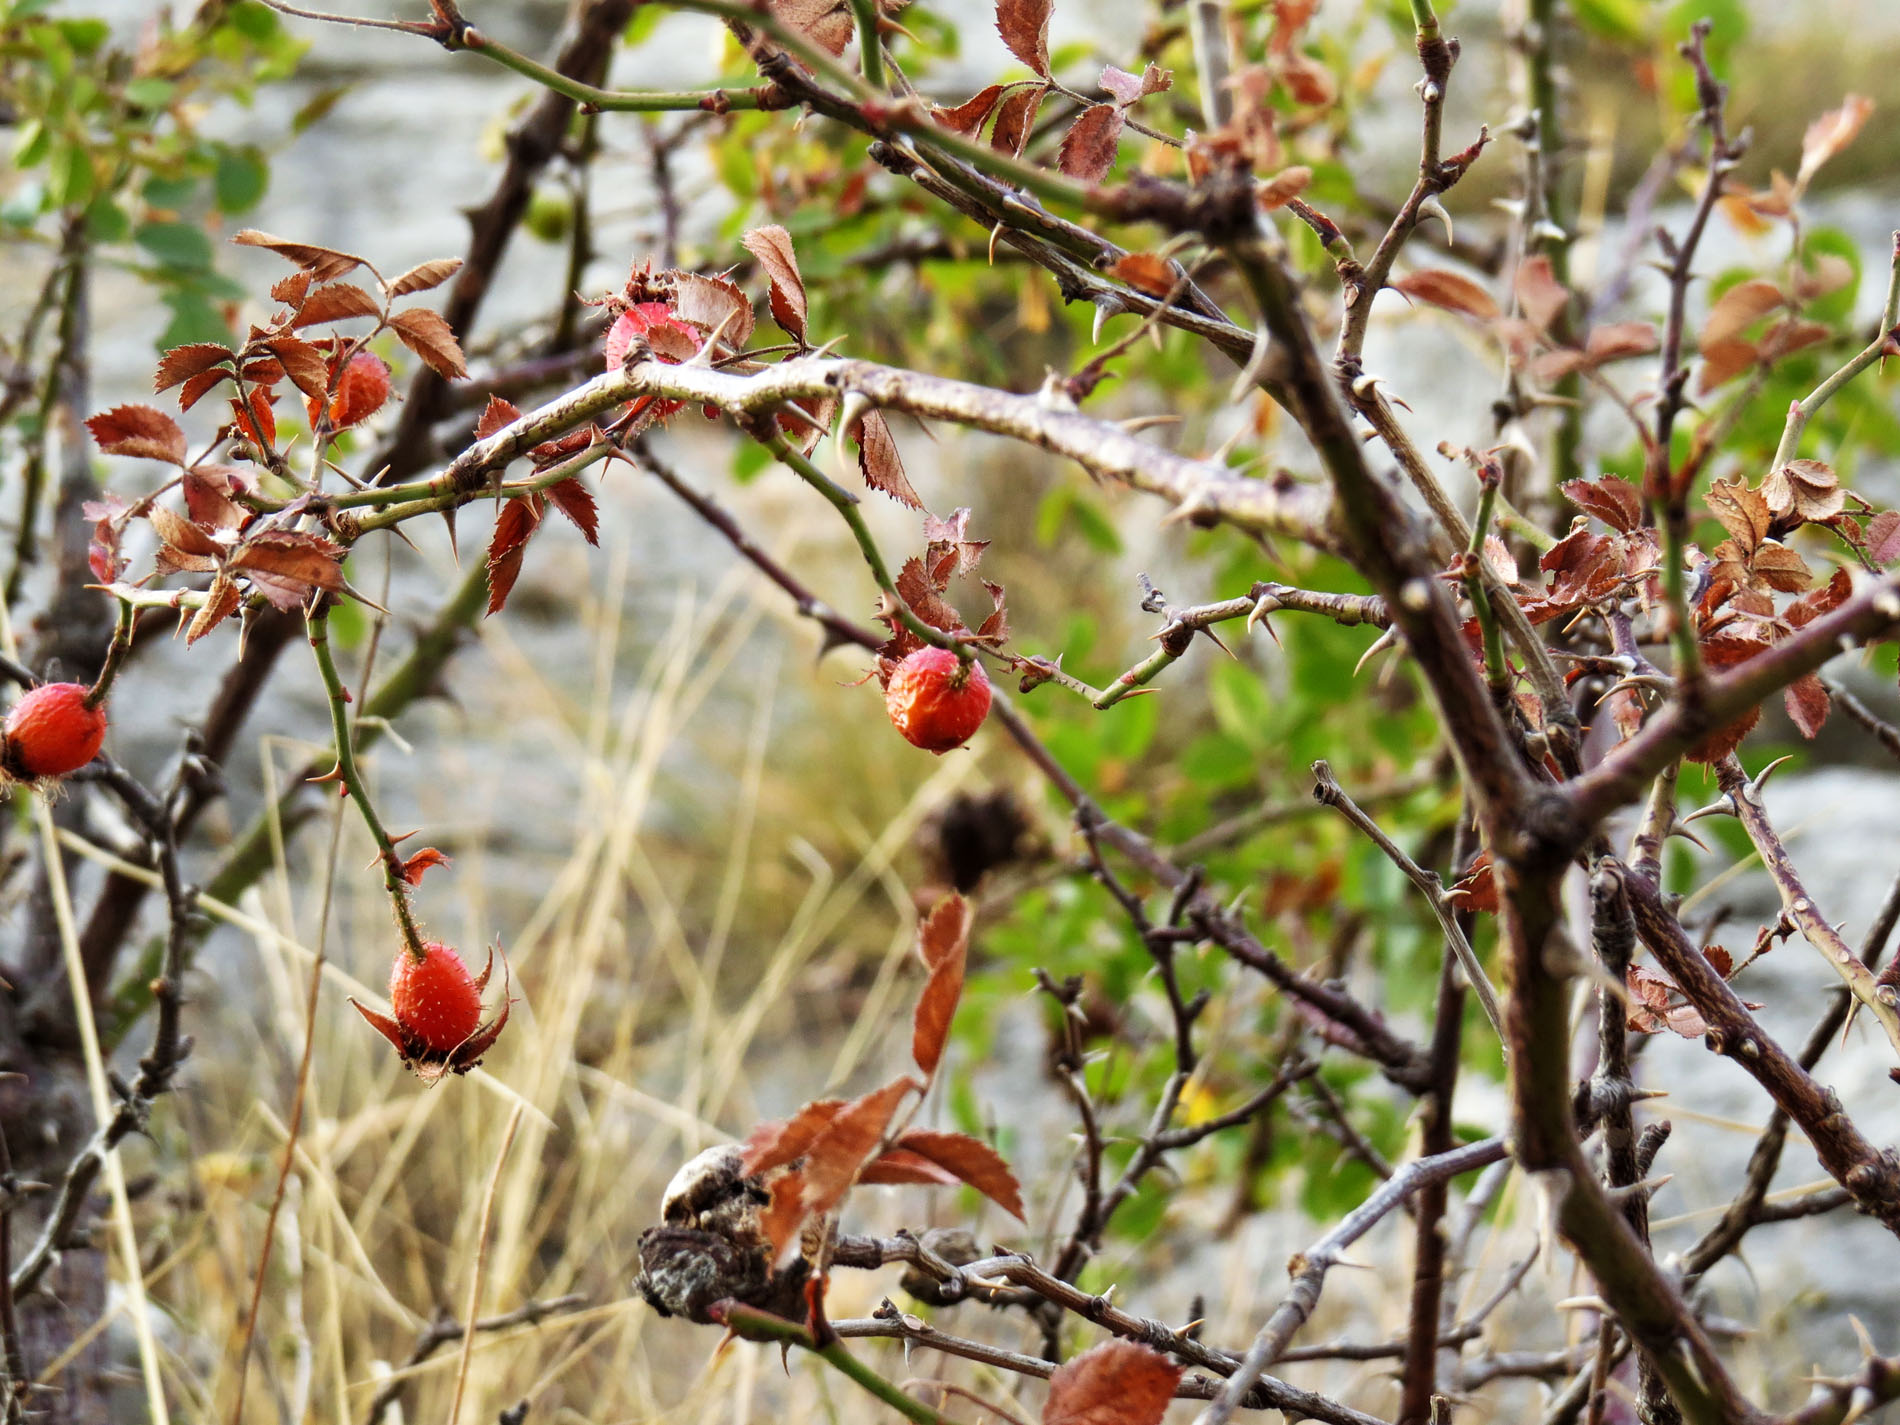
x=576, y=501
x=1736, y=308
x=182, y=363
x=425, y=275
x=879, y=462
x=426, y=334
x=942, y=941
x=285, y=565
x=772, y=245
x=969, y=117
x=361, y=390
x=208, y=497
x=498, y=414
x=221, y=601
x=197, y=387
x=773, y=1145
x=712, y=304
x=517, y=522
x=141, y=431
x=1089, y=147
x=1014, y=118
x=832, y=1164
x=1807, y=702
x=181, y=534
x=1024, y=26
x=335, y=302
x=325, y=264
x=1115, y=1383
x=969, y=1160
x=1611, y=500
x=899, y=1168
x=303, y=364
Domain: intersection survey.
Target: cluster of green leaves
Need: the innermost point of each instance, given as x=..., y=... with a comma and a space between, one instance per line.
x=108, y=135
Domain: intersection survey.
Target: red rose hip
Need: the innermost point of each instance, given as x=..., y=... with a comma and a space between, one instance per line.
x=936, y=700
x=50, y=732
x=436, y=999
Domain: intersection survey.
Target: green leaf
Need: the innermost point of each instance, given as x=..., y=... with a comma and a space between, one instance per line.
x=183, y=246
x=1618, y=21
x=241, y=178
x=150, y=92
x=69, y=184
x=106, y=221
x=194, y=318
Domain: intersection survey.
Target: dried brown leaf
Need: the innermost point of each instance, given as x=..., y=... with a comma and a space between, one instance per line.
x=1804, y=490
x=1283, y=187
x=772, y=245
x=1450, y=290
x=335, y=302
x=1831, y=133
x=1883, y=537
x=709, y=303
x=899, y=1168
x=1741, y=511
x=832, y=1164
x=1743, y=304
x=879, y=462
x=425, y=275
x=1540, y=296
x=1145, y=272
x=324, y=264
x=496, y=415
x=1115, y=1383
x=1615, y=502
x=576, y=501
x=304, y=365
x=1807, y=702
x=514, y=526
x=221, y=601
x=426, y=334
x=181, y=534
x=773, y=1145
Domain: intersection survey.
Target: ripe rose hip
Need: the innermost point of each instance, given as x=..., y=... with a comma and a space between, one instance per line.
x=437, y=1027
x=435, y=998
x=936, y=700
x=50, y=732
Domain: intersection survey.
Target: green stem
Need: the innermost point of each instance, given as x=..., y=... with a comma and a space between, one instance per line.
x=846, y=504
x=617, y=101
x=872, y=56
x=754, y=1325
x=115, y=655
x=317, y=625
x=1424, y=19
x=1801, y=412
x=441, y=495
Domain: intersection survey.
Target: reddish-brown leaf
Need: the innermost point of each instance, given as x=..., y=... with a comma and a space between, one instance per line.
x=1831, y=133
x=425, y=275
x=773, y=1145
x=1723, y=361
x=221, y=601
x=1804, y=490
x=1450, y=290
x=879, y=462
x=361, y=390
x=1283, y=187
x=304, y=365
x=1145, y=272
x=1615, y=502
x=574, y=500
x=336, y=302
x=324, y=264
x=969, y=117
x=256, y=421
x=942, y=941
x=496, y=415
x=1477, y=889
x=1120, y=85
x=1307, y=80
x=1115, y=1383
x=711, y=304
x=413, y=868
x=428, y=336
x=285, y=565
x=995, y=629
x=1807, y=702
x=1721, y=652
x=142, y=431
x=1618, y=340
x=181, y=534
x=1736, y=308
x=832, y=1165
x=1014, y=118
x=514, y=526
x=784, y=1214
x=196, y=387
x=102, y=552
x=1539, y=294
x=290, y=290
x=772, y=245
x=969, y=1160
x=1024, y=26
x=208, y=497
x=182, y=363
x=1088, y=148
x=1883, y=537
x=1741, y=511
x=899, y=1168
